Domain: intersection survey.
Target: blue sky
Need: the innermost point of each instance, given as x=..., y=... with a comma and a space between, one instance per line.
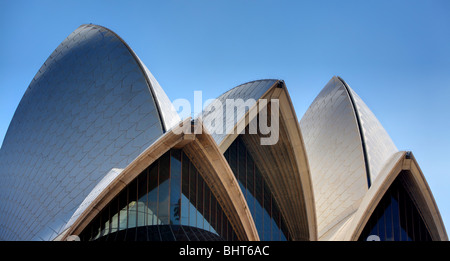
x=394, y=54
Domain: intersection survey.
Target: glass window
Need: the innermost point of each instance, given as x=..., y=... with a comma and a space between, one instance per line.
x=207, y=211
x=381, y=223
x=396, y=218
x=250, y=184
x=193, y=196
x=267, y=235
x=169, y=193
x=403, y=215
x=242, y=171
x=163, y=190
x=175, y=187
x=213, y=214
x=388, y=219
x=123, y=209
x=152, y=197
x=185, y=190
x=142, y=194
x=105, y=221
x=233, y=157
x=259, y=201
x=256, y=192
x=200, y=203
x=114, y=214
x=132, y=205
x=275, y=222
x=96, y=231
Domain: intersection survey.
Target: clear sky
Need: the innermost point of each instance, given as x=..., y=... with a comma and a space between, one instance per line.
x=394, y=54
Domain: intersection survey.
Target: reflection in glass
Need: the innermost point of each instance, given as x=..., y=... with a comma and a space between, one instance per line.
x=132, y=206
x=123, y=209
x=175, y=187
x=142, y=195
x=192, y=196
x=185, y=201
x=115, y=215
x=163, y=188
x=152, y=197
x=168, y=201
x=265, y=212
x=396, y=218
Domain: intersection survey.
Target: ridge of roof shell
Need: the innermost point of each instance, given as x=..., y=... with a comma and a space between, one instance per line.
x=249, y=82
x=169, y=116
x=335, y=156
x=379, y=147
x=402, y=165
x=249, y=90
x=94, y=109
x=346, y=147
x=297, y=178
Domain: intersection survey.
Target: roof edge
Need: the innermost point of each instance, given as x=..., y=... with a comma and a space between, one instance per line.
x=142, y=68
x=260, y=80
x=399, y=162
x=360, y=130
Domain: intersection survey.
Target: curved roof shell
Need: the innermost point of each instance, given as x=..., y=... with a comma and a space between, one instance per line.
x=253, y=90
x=401, y=165
x=207, y=149
x=92, y=107
x=94, y=117
x=353, y=162
x=335, y=155
x=378, y=145
x=283, y=163
x=346, y=147
x=202, y=150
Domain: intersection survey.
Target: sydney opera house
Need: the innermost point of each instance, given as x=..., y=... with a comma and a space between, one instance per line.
x=97, y=151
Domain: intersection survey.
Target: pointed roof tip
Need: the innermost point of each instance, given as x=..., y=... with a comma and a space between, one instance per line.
x=250, y=82
x=76, y=53
x=378, y=145
x=250, y=90
x=96, y=25
x=341, y=80
x=281, y=84
x=85, y=24
x=92, y=25
x=89, y=24
x=259, y=80
x=167, y=113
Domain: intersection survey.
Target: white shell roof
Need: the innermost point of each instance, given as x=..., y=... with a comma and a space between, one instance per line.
x=90, y=108
x=379, y=145
x=346, y=147
x=251, y=90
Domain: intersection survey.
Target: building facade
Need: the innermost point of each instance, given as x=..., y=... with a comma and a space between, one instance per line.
x=96, y=151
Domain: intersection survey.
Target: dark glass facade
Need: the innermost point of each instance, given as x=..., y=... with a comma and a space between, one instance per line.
x=167, y=201
x=263, y=207
x=396, y=218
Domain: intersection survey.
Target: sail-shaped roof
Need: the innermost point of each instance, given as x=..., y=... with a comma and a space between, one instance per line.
x=92, y=107
x=346, y=147
x=245, y=92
